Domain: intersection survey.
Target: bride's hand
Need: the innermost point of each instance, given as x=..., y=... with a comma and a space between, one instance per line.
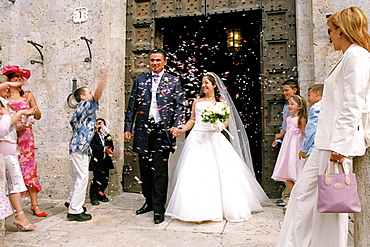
x=176, y=132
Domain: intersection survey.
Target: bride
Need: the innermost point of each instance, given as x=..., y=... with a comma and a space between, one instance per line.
x=213, y=179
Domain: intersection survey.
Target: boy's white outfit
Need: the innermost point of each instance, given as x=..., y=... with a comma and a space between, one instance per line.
x=79, y=171
x=340, y=130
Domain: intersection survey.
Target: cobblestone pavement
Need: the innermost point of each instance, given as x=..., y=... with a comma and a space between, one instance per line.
x=115, y=224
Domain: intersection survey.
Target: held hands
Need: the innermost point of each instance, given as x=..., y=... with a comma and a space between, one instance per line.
x=176, y=132
x=278, y=138
x=275, y=143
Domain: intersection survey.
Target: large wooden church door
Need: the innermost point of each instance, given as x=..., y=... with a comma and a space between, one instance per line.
x=279, y=63
x=148, y=23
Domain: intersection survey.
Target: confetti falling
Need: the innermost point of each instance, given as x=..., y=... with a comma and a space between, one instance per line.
x=200, y=45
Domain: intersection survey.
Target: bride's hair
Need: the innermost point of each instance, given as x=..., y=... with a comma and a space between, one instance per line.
x=213, y=81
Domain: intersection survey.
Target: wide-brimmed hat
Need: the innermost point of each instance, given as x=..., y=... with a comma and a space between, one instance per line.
x=15, y=69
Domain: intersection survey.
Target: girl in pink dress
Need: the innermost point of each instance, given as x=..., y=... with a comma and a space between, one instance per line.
x=20, y=100
x=288, y=165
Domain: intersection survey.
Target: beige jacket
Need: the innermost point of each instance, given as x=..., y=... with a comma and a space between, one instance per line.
x=340, y=126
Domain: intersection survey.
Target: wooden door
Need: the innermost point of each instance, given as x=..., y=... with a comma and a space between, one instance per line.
x=277, y=57
x=278, y=64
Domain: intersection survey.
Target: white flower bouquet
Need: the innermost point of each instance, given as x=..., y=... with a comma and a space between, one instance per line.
x=216, y=113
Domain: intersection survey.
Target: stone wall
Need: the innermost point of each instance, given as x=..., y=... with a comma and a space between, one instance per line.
x=50, y=24
x=316, y=55
x=325, y=56
x=362, y=220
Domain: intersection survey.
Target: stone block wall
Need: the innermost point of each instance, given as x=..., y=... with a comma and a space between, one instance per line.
x=50, y=23
x=325, y=56
x=316, y=55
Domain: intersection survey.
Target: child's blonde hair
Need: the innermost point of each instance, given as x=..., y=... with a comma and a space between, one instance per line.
x=302, y=113
x=317, y=87
x=3, y=78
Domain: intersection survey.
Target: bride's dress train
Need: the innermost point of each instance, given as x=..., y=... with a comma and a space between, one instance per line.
x=210, y=181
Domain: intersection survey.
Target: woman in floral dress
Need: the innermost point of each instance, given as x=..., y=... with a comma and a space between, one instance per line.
x=20, y=100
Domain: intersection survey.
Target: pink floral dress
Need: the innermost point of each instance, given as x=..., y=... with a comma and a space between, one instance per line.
x=27, y=148
x=288, y=165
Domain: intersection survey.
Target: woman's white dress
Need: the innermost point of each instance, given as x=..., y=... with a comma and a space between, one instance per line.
x=210, y=181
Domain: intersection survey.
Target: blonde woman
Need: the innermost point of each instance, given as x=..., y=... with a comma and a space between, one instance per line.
x=339, y=135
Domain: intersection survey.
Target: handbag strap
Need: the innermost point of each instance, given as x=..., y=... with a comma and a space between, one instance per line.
x=327, y=172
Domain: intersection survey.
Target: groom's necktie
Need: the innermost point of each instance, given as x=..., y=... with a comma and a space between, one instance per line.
x=156, y=78
x=154, y=113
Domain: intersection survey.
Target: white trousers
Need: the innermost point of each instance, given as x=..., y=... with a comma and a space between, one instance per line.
x=79, y=170
x=13, y=174
x=303, y=225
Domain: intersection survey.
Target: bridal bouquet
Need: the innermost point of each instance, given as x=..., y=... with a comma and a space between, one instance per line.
x=217, y=113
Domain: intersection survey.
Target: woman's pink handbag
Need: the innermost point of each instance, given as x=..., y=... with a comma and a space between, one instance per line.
x=338, y=192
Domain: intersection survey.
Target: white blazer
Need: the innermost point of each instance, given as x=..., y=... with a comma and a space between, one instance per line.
x=340, y=121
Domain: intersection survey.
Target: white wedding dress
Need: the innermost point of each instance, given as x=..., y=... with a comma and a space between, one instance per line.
x=210, y=181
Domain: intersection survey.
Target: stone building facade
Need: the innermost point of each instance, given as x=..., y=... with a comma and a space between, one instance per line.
x=58, y=26
x=80, y=39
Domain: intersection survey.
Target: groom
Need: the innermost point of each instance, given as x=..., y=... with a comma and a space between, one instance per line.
x=156, y=102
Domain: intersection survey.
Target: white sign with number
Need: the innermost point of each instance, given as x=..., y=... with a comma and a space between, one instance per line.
x=80, y=15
